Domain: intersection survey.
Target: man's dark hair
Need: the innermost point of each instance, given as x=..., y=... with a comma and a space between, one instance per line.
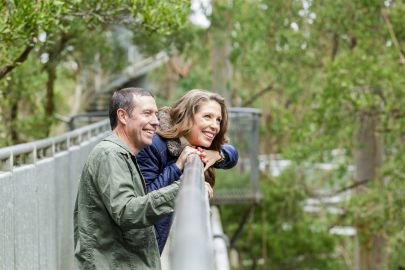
x=124, y=99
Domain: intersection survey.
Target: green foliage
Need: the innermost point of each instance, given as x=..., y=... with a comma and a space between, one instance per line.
x=280, y=232
x=164, y=23
x=27, y=79
x=380, y=209
x=231, y=180
x=326, y=61
x=38, y=38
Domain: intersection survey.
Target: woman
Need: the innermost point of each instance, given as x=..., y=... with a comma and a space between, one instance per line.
x=196, y=123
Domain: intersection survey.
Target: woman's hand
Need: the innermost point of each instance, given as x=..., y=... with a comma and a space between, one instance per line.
x=183, y=156
x=208, y=157
x=210, y=190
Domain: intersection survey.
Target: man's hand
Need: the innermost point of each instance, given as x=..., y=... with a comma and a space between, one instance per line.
x=183, y=156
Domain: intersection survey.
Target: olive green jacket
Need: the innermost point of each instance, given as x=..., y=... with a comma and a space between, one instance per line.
x=113, y=216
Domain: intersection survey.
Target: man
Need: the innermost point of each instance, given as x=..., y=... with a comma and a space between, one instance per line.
x=114, y=214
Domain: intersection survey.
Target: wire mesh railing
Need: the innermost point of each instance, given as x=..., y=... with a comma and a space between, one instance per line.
x=38, y=183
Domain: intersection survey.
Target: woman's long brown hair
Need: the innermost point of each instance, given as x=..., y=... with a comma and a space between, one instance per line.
x=182, y=118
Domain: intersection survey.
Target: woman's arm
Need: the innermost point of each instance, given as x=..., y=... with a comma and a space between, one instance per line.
x=231, y=157
x=226, y=158
x=154, y=164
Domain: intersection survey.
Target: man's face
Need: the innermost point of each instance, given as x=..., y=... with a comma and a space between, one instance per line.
x=142, y=123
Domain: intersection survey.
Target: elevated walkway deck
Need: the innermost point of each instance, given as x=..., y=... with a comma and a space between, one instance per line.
x=39, y=184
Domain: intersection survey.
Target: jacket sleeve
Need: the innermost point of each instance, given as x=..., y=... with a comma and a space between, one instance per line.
x=231, y=157
x=153, y=162
x=124, y=199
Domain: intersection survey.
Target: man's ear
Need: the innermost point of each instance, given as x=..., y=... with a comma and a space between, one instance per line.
x=122, y=116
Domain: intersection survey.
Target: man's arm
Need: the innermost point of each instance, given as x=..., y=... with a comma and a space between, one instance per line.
x=125, y=200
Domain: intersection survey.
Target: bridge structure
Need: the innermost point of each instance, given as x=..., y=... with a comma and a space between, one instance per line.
x=38, y=186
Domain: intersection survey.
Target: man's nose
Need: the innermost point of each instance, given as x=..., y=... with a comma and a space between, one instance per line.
x=154, y=121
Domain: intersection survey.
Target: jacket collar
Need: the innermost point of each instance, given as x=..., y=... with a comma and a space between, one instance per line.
x=114, y=139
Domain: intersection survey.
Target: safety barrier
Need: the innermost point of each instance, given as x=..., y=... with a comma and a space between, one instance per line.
x=38, y=183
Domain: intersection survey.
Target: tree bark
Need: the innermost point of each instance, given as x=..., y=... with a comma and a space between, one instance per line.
x=81, y=80
x=15, y=138
x=335, y=46
x=50, y=102
x=368, y=159
x=50, y=68
x=221, y=66
x=12, y=117
x=175, y=69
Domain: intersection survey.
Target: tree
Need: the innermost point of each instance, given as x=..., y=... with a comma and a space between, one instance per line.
x=51, y=33
x=315, y=69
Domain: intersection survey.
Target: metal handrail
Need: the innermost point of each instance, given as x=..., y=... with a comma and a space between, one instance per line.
x=191, y=245
x=30, y=153
x=244, y=110
x=221, y=241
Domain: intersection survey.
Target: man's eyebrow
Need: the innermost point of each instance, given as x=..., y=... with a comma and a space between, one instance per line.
x=149, y=111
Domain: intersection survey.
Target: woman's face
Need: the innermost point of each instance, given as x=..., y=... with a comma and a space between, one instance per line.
x=206, y=124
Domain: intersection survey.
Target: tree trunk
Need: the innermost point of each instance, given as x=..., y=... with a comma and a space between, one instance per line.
x=98, y=73
x=173, y=72
x=264, y=237
x=80, y=87
x=12, y=117
x=15, y=138
x=50, y=103
x=221, y=67
x=50, y=68
x=9, y=114
x=368, y=159
x=335, y=46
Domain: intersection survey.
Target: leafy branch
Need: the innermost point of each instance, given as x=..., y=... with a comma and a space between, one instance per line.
x=20, y=59
x=253, y=98
x=393, y=36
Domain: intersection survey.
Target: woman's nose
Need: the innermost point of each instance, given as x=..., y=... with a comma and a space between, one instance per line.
x=215, y=125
